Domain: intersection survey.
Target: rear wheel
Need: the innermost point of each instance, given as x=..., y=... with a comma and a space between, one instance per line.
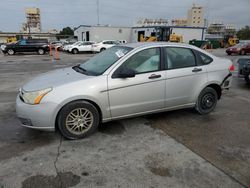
x=78, y=119
x=41, y=51
x=75, y=51
x=11, y=52
x=247, y=79
x=102, y=49
x=207, y=101
x=243, y=52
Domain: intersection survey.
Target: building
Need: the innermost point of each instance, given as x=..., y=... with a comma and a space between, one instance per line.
x=99, y=33
x=195, y=16
x=132, y=34
x=179, y=22
x=216, y=28
x=33, y=21
x=162, y=33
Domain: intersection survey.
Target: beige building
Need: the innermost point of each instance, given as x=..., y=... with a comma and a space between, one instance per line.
x=179, y=22
x=33, y=21
x=196, y=16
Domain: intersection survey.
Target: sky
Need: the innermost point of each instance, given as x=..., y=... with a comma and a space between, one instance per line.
x=56, y=14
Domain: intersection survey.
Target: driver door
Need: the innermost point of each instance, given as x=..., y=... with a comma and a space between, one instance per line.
x=140, y=94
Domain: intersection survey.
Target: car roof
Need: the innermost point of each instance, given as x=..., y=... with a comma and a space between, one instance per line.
x=153, y=44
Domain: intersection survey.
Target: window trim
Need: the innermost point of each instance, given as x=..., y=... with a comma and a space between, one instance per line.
x=165, y=57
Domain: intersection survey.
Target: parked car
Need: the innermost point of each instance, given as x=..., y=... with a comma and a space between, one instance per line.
x=26, y=45
x=56, y=44
x=124, y=81
x=244, y=68
x=122, y=41
x=101, y=46
x=241, y=49
x=67, y=46
x=81, y=47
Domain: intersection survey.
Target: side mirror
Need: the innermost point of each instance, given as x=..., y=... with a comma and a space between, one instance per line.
x=124, y=73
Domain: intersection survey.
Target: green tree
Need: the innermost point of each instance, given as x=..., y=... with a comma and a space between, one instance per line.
x=66, y=32
x=244, y=33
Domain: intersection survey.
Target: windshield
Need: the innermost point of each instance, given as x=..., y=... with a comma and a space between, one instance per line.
x=101, y=62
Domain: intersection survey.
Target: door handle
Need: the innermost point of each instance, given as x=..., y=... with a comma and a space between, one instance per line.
x=154, y=76
x=196, y=70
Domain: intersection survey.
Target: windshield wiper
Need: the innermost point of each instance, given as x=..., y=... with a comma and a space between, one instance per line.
x=79, y=69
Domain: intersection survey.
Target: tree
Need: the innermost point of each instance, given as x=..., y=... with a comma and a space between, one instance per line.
x=65, y=33
x=244, y=33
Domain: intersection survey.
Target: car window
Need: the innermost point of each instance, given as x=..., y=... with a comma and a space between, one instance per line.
x=204, y=59
x=179, y=58
x=144, y=61
x=23, y=42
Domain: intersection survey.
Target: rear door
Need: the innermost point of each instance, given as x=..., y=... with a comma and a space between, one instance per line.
x=184, y=76
x=85, y=47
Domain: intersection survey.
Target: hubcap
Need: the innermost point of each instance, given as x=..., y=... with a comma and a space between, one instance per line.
x=11, y=52
x=208, y=101
x=40, y=51
x=79, y=121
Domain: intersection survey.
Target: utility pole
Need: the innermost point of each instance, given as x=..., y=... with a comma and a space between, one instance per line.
x=97, y=9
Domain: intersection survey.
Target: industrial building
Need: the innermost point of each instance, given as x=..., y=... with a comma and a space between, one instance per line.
x=132, y=34
x=33, y=21
x=99, y=33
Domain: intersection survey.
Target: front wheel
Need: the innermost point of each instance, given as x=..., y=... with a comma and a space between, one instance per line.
x=11, y=52
x=207, y=101
x=78, y=119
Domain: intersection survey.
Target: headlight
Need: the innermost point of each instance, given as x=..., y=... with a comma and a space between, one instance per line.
x=34, y=97
x=3, y=47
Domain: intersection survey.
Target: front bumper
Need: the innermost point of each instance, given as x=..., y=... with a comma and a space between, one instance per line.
x=39, y=116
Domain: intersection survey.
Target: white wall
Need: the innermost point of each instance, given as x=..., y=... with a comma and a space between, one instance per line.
x=188, y=33
x=104, y=33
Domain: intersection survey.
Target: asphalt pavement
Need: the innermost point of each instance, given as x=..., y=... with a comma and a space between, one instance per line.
x=171, y=149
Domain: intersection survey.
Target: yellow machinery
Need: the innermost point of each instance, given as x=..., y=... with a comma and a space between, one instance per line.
x=175, y=38
x=11, y=39
x=232, y=41
x=147, y=39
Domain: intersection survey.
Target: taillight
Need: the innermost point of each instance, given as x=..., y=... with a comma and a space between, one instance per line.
x=231, y=68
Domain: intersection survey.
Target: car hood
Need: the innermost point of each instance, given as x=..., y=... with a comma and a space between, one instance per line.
x=54, y=78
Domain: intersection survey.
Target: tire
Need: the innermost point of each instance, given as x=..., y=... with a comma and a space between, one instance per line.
x=75, y=51
x=41, y=51
x=207, y=101
x=242, y=52
x=102, y=49
x=228, y=53
x=247, y=79
x=72, y=126
x=10, y=52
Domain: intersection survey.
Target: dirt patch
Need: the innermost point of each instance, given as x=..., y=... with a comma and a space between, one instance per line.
x=112, y=128
x=62, y=180
x=159, y=164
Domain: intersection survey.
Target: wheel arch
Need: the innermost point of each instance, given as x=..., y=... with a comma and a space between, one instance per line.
x=86, y=100
x=215, y=86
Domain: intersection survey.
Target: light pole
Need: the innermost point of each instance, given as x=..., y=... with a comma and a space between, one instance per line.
x=97, y=9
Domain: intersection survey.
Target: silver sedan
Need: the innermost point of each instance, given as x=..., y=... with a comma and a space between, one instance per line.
x=124, y=81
